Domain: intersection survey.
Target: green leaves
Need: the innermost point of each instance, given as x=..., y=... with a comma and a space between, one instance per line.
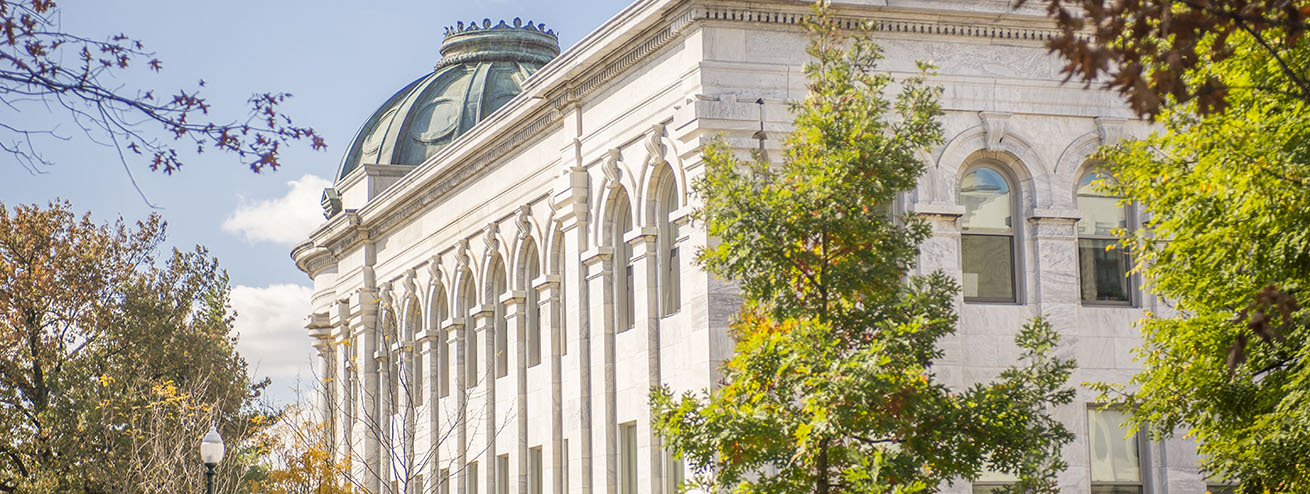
x=1227, y=194
x=832, y=387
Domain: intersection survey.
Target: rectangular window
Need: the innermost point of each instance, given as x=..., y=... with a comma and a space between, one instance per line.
x=1115, y=454
x=443, y=482
x=992, y=482
x=502, y=474
x=1220, y=489
x=471, y=364
x=418, y=483
x=988, y=262
x=1103, y=266
x=471, y=478
x=534, y=331
x=564, y=467
x=502, y=347
x=628, y=458
x=627, y=318
x=674, y=473
x=672, y=283
x=417, y=371
x=443, y=367
x=534, y=471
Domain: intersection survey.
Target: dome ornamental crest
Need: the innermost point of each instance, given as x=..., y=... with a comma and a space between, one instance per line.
x=482, y=67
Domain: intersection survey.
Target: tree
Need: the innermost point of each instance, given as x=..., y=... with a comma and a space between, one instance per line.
x=1225, y=186
x=41, y=66
x=1154, y=52
x=831, y=388
x=113, y=363
x=307, y=457
x=303, y=463
x=1227, y=195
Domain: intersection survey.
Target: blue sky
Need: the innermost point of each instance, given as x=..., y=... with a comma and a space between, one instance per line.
x=340, y=60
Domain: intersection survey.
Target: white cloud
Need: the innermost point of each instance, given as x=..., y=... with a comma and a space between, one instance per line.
x=284, y=220
x=271, y=324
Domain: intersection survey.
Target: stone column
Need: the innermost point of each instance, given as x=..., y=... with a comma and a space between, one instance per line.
x=366, y=300
x=320, y=329
x=645, y=282
x=1055, y=294
x=516, y=320
x=460, y=389
x=484, y=333
x=386, y=437
x=571, y=193
x=548, y=289
x=344, y=384
x=941, y=252
x=427, y=343
x=598, y=264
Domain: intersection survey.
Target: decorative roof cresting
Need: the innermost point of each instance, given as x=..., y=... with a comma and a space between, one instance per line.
x=482, y=67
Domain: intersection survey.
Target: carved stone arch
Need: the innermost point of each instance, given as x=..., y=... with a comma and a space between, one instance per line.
x=1073, y=160
x=1013, y=151
x=604, y=221
x=464, y=283
x=615, y=175
x=519, y=275
x=494, y=251
x=465, y=287
x=412, y=322
x=388, y=321
x=438, y=296
x=923, y=190
x=552, y=249
x=655, y=177
x=526, y=229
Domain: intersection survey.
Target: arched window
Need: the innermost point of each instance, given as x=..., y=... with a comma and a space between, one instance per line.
x=1102, y=264
x=987, y=236
x=468, y=300
x=531, y=271
x=389, y=333
x=413, y=374
x=497, y=287
x=669, y=275
x=624, y=296
x=558, y=260
x=441, y=348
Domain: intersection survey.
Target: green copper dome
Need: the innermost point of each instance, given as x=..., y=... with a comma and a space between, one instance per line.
x=482, y=67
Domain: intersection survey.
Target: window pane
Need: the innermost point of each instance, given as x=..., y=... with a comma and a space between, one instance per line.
x=988, y=267
x=1116, y=489
x=1104, y=272
x=628, y=458
x=988, y=489
x=986, y=198
x=1114, y=453
x=1101, y=212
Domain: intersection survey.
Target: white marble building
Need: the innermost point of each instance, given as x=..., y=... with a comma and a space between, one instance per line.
x=493, y=302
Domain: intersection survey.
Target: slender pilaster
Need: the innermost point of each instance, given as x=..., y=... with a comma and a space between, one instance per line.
x=645, y=274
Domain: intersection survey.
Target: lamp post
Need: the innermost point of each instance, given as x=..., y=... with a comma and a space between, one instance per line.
x=211, y=452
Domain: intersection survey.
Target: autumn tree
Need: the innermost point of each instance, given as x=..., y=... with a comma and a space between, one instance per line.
x=1155, y=52
x=1224, y=185
x=43, y=67
x=113, y=361
x=832, y=388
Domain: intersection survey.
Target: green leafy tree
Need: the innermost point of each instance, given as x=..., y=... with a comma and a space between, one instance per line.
x=831, y=388
x=1227, y=244
x=114, y=363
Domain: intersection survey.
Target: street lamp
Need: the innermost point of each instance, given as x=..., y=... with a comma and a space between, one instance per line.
x=211, y=452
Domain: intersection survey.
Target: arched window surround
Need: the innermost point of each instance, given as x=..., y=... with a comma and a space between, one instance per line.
x=972, y=261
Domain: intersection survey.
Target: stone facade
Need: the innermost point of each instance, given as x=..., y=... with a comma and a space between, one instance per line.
x=477, y=307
